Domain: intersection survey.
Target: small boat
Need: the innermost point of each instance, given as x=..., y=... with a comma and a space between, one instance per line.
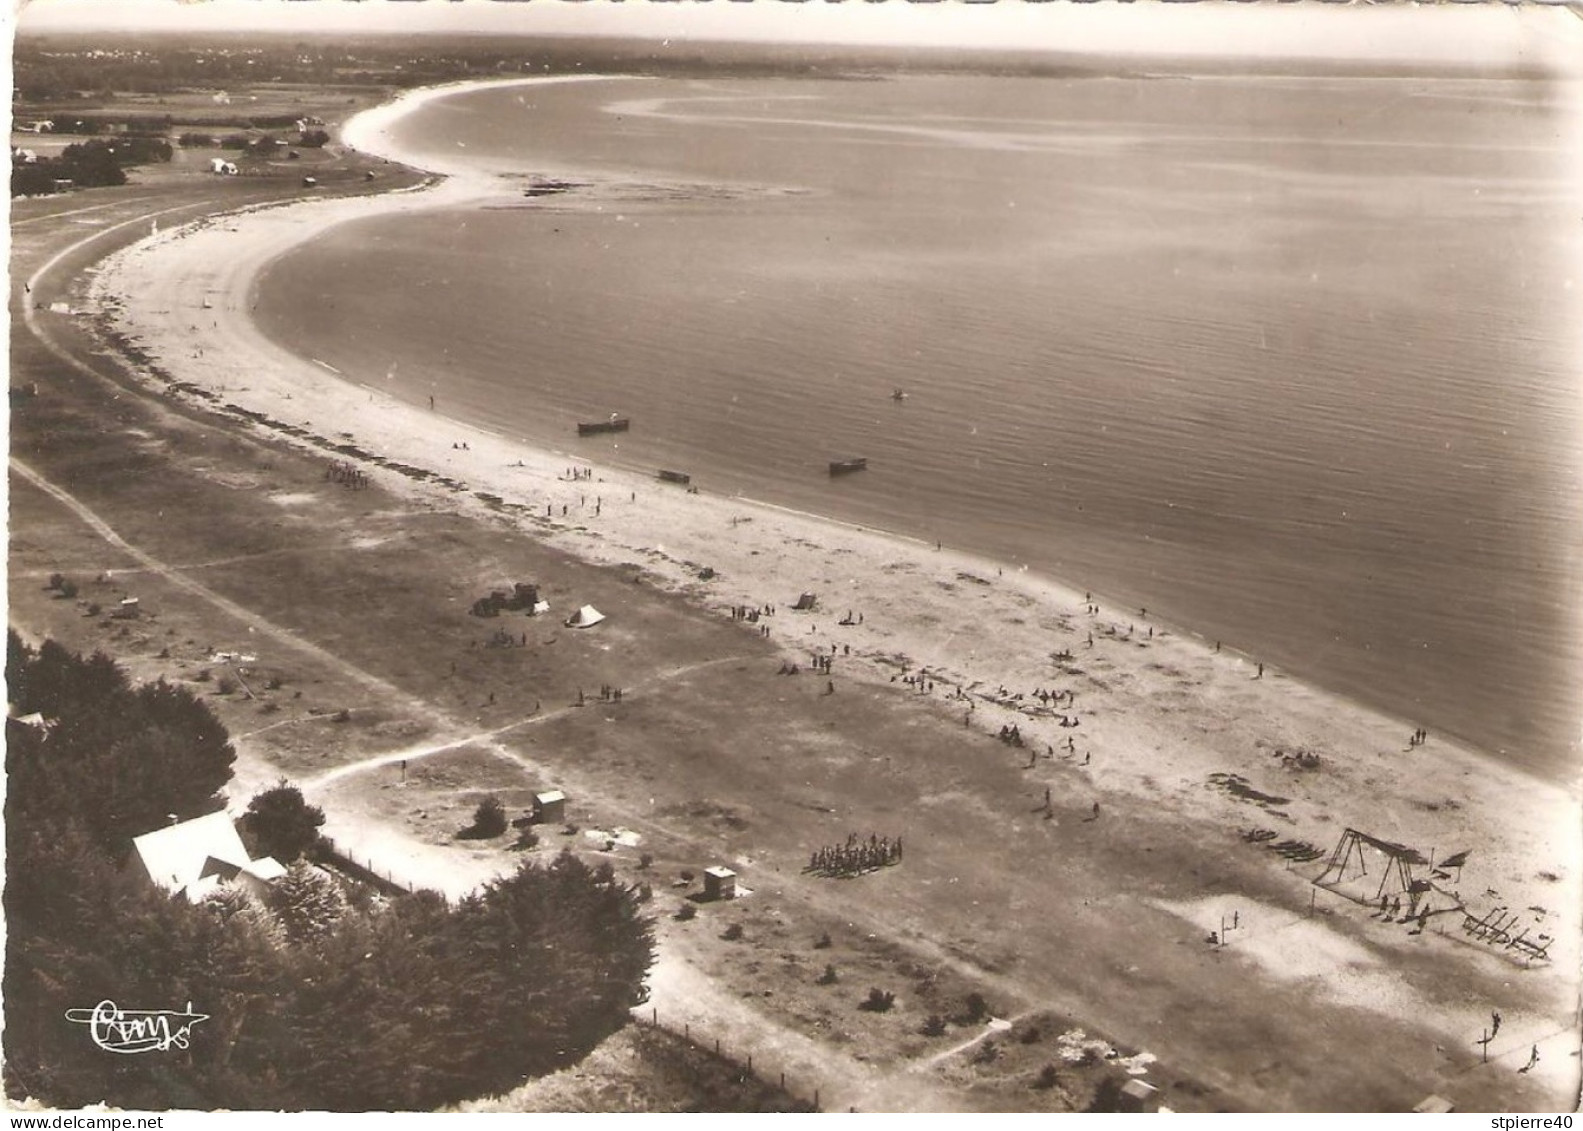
x=614, y=424
x=676, y=477
x=899, y=395
x=847, y=466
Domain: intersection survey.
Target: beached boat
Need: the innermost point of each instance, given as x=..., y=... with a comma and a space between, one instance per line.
x=847, y=466
x=614, y=424
x=676, y=477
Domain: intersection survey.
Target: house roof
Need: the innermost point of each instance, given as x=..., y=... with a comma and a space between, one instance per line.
x=190, y=856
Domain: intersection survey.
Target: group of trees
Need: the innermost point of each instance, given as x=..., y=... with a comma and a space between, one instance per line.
x=322, y=996
x=88, y=164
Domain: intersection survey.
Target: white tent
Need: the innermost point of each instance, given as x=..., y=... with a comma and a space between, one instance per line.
x=585, y=617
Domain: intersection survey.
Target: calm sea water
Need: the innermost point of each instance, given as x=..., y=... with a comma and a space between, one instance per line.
x=1288, y=361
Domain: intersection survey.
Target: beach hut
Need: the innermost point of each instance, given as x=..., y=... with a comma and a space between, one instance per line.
x=585, y=617
x=805, y=602
x=549, y=807
x=720, y=883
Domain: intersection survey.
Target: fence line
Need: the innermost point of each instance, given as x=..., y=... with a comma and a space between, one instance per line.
x=385, y=882
x=743, y=1064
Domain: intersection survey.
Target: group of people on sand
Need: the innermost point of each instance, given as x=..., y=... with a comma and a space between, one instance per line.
x=348, y=474
x=1420, y=736
x=855, y=856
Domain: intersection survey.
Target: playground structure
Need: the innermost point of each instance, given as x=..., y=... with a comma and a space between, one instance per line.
x=1404, y=872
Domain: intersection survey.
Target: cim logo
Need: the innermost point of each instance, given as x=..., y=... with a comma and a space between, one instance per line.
x=137, y=1030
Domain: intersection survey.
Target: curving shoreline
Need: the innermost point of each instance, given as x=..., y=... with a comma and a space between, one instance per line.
x=1160, y=714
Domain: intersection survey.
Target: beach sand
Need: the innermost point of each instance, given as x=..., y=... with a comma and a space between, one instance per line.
x=1163, y=718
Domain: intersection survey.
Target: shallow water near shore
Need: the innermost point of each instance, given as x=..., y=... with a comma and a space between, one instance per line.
x=1288, y=362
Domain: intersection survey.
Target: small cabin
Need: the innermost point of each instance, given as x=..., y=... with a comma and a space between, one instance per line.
x=549, y=808
x=720, y=883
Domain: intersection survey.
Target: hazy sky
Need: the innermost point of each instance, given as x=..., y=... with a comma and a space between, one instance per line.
x=1463, y=32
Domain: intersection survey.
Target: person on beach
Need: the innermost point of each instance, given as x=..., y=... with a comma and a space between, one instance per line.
x=1096, y=811
x=1261, y=672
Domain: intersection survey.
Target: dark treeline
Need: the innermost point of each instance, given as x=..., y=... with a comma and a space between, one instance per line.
x=62, y=67
x=87, y=164
x=326, y=999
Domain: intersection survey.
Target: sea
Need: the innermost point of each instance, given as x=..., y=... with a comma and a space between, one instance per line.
x=1289, y=361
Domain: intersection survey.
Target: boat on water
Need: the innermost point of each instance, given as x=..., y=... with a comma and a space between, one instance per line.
x=676, y=477
x=616, y=423
x=847, y=466
x=899, y=395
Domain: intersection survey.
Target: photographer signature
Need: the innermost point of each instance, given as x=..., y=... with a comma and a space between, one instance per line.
x=137, y=1030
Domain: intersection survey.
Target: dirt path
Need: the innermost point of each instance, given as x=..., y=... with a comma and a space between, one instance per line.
x=490, y=738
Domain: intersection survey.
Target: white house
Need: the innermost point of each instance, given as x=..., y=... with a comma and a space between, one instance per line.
x=194, y=858
x=221, y=167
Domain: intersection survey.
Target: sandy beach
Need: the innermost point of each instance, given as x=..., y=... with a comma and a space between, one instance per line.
x=1147, y=711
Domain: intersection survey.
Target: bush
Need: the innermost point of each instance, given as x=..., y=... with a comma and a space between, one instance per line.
x=987, y=1053
x=829, y=977
x=933, y=1026
x=688, y=911
x=68, y=588
x=526, y=838
x=1047, y=1078
x=489, y=820
x=55, y=581
x=225, y=686
x=975, y=1008
x=1030, y=1035
x=823, y=942
x=878, y=1001
x=646, y=861
x=733, y=932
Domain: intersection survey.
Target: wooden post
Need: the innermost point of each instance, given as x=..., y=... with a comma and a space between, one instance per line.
x=783, y=1081
x=717, y=1046
x=655, y=1019
x=750, y=1062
